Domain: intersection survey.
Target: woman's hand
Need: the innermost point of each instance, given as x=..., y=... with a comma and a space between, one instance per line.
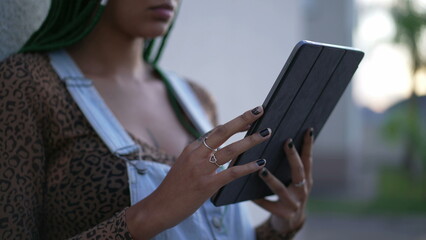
x=194, y=178
x=288, y=212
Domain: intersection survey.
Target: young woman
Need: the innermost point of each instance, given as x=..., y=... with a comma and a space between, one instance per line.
x=62, y=174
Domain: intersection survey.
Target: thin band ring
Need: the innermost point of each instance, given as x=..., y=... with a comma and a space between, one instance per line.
x=207, y=146
x=300, y=184
x=213, y=160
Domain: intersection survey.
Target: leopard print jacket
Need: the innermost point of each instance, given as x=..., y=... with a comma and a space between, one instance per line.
x=57, y=178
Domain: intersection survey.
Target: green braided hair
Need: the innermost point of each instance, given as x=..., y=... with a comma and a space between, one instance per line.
x=69, y=21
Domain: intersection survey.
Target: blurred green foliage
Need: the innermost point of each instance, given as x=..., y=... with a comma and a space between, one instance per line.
x=404, y=124
x=397, y=195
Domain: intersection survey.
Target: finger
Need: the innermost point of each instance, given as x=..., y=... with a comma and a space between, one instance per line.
x=268, y=205
x=233, y=150
x=276, y=208
x=277, y=187
x=232, y=173
x=296, y=165
x=221, y=133
x=306, y=156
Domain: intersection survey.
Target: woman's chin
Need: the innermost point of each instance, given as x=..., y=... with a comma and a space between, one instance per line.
x=156, y=31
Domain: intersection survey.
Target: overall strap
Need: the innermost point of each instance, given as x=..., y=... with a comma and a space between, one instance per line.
x=92, y=105
x=188, y=101
x=102, y=119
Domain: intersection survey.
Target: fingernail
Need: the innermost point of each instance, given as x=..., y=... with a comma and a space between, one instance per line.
x=290, y=144
x=311, y=132
x=265, y=132
x=261, y=162
x=255, y=110
x=264, y=172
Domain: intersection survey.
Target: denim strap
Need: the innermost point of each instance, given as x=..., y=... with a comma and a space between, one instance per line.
x=103, y=120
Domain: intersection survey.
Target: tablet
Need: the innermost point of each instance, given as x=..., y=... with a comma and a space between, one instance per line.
x=303, y=96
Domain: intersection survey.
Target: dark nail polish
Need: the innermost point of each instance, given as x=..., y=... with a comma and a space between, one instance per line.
x=290, y=145
x=261, y=162
x=264, y=172
x=265, y=132
x=311, y=132
x=255, y=111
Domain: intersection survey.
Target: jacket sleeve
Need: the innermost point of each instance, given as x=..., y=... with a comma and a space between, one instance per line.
x=21, y=154
x=23, y=158
x=113, y=228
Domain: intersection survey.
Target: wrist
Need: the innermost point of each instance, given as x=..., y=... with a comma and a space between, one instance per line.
x=283, y=232
x=267, y=231
x=142, y=221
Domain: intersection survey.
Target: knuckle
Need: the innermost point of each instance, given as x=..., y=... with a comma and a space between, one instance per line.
x=301, y=170
x=292, y=207
x=228, y=151
x=233, y=173
x=280, y=191
x=306, y=191
x=292, y=152
x=221, y=130
x=306, y=154
x=305, y=194
x=190, y=147
x=297, y=205
x=201, y=185
x=252, y=140
x=246, y=117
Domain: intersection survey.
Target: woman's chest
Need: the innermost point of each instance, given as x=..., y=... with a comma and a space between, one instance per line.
x=146, y=113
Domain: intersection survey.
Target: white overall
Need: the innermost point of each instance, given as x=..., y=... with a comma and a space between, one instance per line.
x=208, y=222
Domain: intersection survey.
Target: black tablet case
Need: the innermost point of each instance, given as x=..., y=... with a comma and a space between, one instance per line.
x=303, y=96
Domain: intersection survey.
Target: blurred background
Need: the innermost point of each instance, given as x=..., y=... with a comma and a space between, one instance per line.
x=370, y=158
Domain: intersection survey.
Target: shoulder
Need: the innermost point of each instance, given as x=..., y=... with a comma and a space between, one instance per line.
x=23, y=67
x=24, y=61
x=26, y=71
x=26, y=80
x=206, y=100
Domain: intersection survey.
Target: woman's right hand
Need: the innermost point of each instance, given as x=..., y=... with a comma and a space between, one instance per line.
x=193, y=179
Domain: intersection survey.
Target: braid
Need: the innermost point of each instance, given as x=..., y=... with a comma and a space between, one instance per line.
x=68, y=22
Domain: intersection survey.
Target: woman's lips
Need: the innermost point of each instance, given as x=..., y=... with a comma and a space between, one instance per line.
x=163, y=12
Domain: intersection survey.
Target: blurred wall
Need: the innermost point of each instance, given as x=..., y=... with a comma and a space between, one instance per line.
x=341, y=169
x=234, y=48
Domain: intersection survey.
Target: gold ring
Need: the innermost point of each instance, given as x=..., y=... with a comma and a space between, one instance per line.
x=213, y=160
x=207, y=146
x=300, y=184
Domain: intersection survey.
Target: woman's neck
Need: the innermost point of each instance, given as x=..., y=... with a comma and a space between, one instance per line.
x=109, y=55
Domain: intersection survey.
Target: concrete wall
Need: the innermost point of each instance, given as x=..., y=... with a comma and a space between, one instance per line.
x=234, y=48
x=341, y=168
x=18, y=19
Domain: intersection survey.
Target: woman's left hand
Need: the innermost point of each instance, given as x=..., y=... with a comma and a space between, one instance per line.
x=288, y=212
